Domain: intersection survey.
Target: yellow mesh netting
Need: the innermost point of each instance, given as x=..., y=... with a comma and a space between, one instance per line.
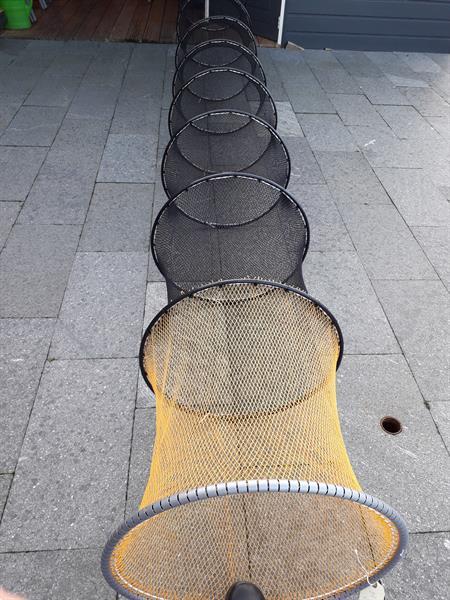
x=244, y=378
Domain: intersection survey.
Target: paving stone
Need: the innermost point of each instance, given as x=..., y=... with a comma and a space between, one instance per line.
x=441, y=416
x=327, y=229
x=418, y=312
x=69, y=63
x=57, y=200
x=396, y=70
x=419, y=62
x=160, y=197
x=355, y=109
x=436, y=244
x=119, y=218
x=357, y=63
x=33, y=126
x=20, y=380
x=427, y=102
x=82, y=134
x=440, y=82
x=340, y=282
x=385, y=244
x=379, y=90
x=19, y=167
x=441, y=124
x=128, y=159
x=383, y=149
x=273, y=79
x=326, y=133
x=19, y=80
x=406, y=122
x=25, y=339
x=330, y=73
x=54, y=91
x=141, y=454
x=74, y=461
x=287, y=125
x=34, y=268
x=303, y=90
x=101, y=316
x=420, y=574
x=54, y=575
x=351, y=179
x=8, y=215
x=94, y=101
x=370, y=388
x=5, y=482
x=9, y=105
x=153, y=273
x=304, y=167
x=407, y=189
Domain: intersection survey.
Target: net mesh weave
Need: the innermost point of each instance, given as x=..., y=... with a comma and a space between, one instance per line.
x=215, y=28
x=244, y=378
x=218, y=89
x=192, y=11
x=230, y=227
x=216, y=53
x=220, y=141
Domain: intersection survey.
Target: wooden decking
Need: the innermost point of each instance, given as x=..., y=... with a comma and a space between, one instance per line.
x=106, y=20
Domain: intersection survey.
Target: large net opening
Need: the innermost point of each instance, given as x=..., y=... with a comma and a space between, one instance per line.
x=220, y=141
x=215, y=28
x=192, y=11
x=244, y=377
x=221, y=89
x=216, y=53
x=230, y=227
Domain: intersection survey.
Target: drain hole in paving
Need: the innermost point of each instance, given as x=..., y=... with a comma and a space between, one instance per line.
x=391, y=425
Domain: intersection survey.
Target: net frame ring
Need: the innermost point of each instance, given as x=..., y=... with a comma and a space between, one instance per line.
x=182, y=28
x=283, y=193
x=255, y=69
x=247, y=78
x=173, y=146
x=203, y=24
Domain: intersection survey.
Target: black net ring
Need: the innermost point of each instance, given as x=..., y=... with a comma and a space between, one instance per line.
x=194, y=10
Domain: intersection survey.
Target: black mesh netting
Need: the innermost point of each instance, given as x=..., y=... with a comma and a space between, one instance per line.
x=230, y=226
x=221, y=89
x=215, y=28
x=221, y=141
x=192, y=11
x=216, y=53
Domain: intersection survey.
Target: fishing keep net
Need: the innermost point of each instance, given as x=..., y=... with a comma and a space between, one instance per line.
x=230, y=226
x=221, y=88
x=216, y=53
x=192, y=11
x=250, y=479
x=215, y=28
x=220, y=141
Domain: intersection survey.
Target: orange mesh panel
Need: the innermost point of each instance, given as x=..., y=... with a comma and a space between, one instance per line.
x=244, y=378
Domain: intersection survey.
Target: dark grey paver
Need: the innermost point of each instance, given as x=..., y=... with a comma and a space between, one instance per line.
x=440, y=82
x=338, y=279
x=385, y=244
x=273, y=79
x=370, y=388
x=69, y=64
x=57, y=200
x=422, y=573
x=54, y=91
x=379, y=90
x=304, y=167
x=427, y=102
x=8, y=215
x=351, y=178
x=287, y=123
x=436, y=244
x=55, y=575
x=328, y=231
x=419, y=62
x=355, y=109
x=406, y=122
x=407, y=189
x=95, y=101
x=441, y=416
x=25, y=339
x=9, y=105
x=383, y=149
x=5, y=482
x=441, y=124
x=19, y=79
x=128, y=159
x=34, y=268
x=326, y=133
x=141, y=454
x=19, y=167
x=357, y=63
x=418, y=313
x=74, y=461
x=396, y=69
x=33, y=126
x=443, y=60
x=102, y=312
x=119, y=218
x=330, y=73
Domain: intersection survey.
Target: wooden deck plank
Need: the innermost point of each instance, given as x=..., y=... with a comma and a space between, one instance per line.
x=121, y=26
x=106, y=25
x=153, y=29
x=168, y=29
x=87, y=29
x=139, y=21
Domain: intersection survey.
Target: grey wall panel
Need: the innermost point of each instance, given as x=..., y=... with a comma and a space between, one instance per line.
x=419, y=25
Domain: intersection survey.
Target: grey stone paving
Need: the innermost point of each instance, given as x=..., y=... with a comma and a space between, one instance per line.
x=82, y=130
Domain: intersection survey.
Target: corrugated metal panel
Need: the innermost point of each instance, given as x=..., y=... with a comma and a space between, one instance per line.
x=421, y=25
